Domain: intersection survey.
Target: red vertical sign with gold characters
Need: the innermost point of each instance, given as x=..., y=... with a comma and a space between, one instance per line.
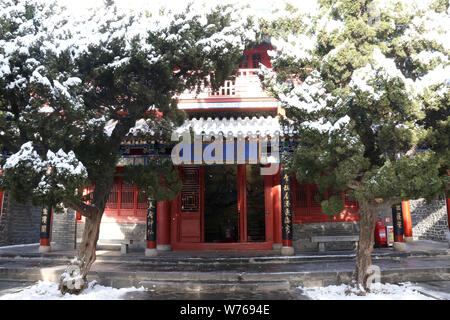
x=286, y=207
x=46, y=217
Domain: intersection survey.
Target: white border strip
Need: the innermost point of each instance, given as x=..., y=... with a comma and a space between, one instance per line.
x=20, y=245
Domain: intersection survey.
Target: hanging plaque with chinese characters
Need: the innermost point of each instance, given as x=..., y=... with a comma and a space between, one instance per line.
x=286, y=205
x=151, y=220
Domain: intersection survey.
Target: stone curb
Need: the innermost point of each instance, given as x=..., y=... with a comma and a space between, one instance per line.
x=217, y=287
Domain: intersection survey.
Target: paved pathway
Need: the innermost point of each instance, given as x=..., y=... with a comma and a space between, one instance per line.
x=439, y=290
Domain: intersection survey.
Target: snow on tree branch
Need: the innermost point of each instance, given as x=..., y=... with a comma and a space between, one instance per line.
x=57, y=176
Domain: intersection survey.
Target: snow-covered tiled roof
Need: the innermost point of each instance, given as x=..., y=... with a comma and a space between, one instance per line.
x=240, y=127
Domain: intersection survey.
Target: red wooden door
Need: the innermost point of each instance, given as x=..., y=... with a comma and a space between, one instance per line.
x=243, y=203
x=268, y=184
x=191, y=205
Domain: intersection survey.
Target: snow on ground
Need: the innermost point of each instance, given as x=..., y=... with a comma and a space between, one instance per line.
x=379, y=291
x=47, y=290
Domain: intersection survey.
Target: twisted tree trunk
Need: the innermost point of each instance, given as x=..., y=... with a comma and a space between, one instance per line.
x=368, y=214
x=365, y=272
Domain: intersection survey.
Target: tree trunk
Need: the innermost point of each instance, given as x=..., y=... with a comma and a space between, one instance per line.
x=74, y=279
x=368, y=214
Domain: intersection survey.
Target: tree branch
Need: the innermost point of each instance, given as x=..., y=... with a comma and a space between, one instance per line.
x=387, y=203
x=82, y=208
x=355, y=185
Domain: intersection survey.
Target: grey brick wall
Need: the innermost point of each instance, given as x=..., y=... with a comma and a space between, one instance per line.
x=19, y=223
x=429, y=221
x=63, y=230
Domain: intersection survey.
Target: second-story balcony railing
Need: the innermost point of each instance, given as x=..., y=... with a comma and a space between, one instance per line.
x=246, y=83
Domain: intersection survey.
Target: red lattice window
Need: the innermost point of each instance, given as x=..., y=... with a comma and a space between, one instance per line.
x=350, y=205
x=190, y=193
x=308, y=209
x=123, y=201
x=142, y=203
x=113, y=198
x=127, y=196
x=301, y=195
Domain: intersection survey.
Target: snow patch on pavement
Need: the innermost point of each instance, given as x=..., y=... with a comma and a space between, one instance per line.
x=47, y=290
x=379, y=291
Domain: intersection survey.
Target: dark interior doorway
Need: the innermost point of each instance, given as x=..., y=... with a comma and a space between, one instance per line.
x=256, y=225
x=221, y=203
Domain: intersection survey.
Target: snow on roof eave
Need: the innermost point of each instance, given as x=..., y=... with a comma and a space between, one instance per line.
x=239, y=127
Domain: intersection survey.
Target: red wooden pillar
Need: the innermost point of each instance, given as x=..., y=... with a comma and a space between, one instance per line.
x=163, y=226
x=448, y=204
x=448, y=212
x=276, y=200
x=1, y=196
x=1, y=202
x=174, y=217
x=242, y=203
x=268, y=182
x=46, y=218
x=407, y=225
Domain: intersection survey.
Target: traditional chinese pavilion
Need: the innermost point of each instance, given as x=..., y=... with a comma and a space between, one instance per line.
x=223, y=205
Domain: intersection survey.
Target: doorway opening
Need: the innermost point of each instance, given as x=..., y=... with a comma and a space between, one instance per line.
x=221, y=204
x=256, y=224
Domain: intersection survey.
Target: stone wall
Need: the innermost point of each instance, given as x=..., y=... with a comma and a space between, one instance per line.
x=19, y=223
x=429, y=221
x=304, y=231
x=63, y=230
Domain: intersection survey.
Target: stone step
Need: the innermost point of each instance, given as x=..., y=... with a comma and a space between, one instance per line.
x=269, y=280
x=217, y=263
x=216, y=287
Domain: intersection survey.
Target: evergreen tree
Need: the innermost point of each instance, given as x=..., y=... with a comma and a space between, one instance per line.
x=365, y=87
x=82, y=84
